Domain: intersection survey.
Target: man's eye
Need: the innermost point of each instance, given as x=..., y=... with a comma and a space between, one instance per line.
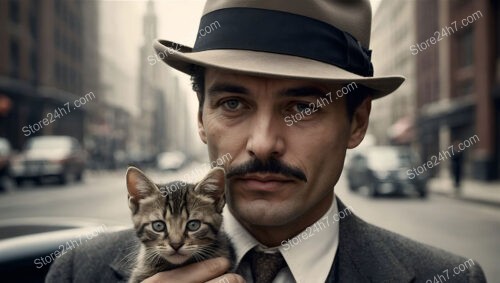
x=231, y=104
x=301, y=107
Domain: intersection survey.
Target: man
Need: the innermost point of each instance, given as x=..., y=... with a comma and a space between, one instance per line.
x=267, y=80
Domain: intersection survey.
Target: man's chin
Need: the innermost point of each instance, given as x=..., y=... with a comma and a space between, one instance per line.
x=263, y=212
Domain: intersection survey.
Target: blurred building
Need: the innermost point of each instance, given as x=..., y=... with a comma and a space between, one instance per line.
x=109, y=123
x=46, y=52
x=108, y=144
x=163, y=109
x=146, y=90
x=393, y=31
x=458, y=81
x=181, y=135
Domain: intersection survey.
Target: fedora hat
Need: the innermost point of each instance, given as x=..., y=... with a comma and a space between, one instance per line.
x=324, y=40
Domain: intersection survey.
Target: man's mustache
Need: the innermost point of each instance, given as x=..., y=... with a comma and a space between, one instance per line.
x=271, y=165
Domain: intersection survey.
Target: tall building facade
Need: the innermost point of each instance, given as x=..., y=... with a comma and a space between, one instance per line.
x=393, y=31
x=458, y=82
x=147, y=90
x=46, y=49
x=164, y=115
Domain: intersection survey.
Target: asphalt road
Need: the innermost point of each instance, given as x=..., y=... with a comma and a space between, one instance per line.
x=468, y=229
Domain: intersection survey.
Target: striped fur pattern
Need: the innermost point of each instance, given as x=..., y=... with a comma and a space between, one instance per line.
x=177, y=227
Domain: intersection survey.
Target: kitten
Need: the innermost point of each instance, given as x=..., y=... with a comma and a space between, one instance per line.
x=177, y=223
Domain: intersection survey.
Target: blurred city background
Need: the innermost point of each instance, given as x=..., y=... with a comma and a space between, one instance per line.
x=83, y=94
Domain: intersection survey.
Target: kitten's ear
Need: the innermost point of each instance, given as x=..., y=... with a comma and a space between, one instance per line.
x=139, y=186
x=213, y=186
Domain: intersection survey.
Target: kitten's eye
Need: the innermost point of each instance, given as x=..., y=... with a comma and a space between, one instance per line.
x=158, y=226
x=193, y=225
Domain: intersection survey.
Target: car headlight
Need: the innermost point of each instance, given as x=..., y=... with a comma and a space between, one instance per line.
x=380, y=174
x=58, y=161
x=17, y=162
x=402, y=175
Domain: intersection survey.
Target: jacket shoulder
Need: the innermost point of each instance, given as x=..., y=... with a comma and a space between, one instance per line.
x=426, y=261
x=94, y=260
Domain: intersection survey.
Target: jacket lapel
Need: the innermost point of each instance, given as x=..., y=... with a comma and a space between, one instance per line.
x=363, y=256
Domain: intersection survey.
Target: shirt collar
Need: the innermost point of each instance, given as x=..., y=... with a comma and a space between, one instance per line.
x=309, y=254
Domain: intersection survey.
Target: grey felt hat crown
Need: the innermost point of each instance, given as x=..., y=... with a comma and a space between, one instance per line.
x=325, y=40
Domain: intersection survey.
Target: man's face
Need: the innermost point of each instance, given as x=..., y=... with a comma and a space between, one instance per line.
x=245, y=116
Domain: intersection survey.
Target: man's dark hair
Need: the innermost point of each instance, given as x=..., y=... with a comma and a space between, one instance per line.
x=354, y=98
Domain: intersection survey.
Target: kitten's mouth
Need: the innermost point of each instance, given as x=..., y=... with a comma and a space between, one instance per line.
x=177, y=253
x=177, y=258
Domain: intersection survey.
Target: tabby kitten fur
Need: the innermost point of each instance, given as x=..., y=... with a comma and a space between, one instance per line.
x=177, y=226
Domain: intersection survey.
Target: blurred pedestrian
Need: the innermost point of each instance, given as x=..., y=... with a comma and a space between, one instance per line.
x=456, y=166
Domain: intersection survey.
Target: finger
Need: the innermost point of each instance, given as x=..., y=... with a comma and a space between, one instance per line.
x=228, y=278
x=196, y=272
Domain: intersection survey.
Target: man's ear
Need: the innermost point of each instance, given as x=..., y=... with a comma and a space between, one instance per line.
x=201, y=128
x=359, y=123
x=139, y=186
x=213, y=187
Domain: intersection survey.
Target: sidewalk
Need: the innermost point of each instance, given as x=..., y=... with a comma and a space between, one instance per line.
x=471, y=190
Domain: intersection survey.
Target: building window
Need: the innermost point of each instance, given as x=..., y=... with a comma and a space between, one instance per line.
x=14, y=11
x=496, y=6
x=14, y=58
x=465, y=88
x=466, y=48
x=33, y=25
x=57, y=7
x=34, y=67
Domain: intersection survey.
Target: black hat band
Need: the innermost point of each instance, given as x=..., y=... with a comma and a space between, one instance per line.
x=283, y=33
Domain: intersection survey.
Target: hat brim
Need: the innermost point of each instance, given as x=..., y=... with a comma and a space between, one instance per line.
x=266, y=64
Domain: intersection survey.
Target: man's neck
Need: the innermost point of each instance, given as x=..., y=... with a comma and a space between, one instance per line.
x=273, y=236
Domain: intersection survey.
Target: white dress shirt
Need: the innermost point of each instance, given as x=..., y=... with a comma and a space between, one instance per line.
x=309, y=255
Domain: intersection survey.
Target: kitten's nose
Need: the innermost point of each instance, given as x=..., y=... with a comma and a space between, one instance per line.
x=176, y=246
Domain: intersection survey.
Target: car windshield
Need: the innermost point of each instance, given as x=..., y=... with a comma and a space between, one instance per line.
x=171, y=156
x=4, y=147
x=48, y=143
x=388, y=158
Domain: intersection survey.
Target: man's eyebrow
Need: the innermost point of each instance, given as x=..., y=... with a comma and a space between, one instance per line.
x=304, y=91
x=227, y=87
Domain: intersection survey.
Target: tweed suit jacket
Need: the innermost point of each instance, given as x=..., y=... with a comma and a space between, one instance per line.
x=366, y=253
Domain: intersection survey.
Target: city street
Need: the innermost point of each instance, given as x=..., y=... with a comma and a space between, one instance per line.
x=467, y=229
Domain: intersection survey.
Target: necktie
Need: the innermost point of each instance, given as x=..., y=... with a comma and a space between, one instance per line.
x=265, y=266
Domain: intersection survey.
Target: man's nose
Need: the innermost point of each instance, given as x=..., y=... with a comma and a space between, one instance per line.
x=266, y=137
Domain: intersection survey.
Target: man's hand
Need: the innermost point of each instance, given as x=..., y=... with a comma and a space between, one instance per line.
x=209, y=271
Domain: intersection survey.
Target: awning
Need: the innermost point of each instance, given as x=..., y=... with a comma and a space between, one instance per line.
x=402, y=132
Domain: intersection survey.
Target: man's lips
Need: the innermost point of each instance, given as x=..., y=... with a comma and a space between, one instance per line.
x=266, y=177
x=264, y=182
